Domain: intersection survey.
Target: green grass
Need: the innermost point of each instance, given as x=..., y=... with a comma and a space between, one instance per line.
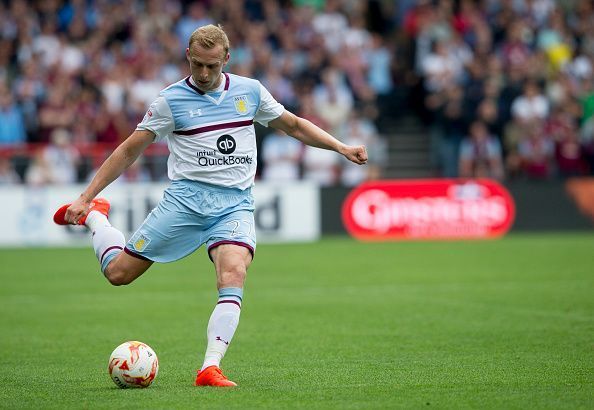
x=334, y=324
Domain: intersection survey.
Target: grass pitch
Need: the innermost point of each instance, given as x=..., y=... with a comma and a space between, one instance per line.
x=334, y=324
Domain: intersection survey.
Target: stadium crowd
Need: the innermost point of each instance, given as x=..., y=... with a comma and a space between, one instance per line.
x=504, y=88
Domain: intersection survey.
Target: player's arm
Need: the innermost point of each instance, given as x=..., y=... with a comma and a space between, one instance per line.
x=310, y=134
x=120, y=159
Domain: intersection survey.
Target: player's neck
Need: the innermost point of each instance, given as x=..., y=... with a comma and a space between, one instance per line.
x=217, y=87
x=219, y=83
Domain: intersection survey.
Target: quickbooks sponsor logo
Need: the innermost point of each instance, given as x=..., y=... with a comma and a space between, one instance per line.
x=226, y=144
x=228, y=160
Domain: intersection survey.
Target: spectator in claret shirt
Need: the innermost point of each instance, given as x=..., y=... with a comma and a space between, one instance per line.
x=536, y=153
x=570, y=156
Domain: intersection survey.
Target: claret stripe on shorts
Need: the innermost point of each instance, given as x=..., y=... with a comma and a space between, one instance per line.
x=214, y=127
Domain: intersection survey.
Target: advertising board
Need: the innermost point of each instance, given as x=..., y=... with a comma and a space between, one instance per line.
x=283, y=212
x=428, y=209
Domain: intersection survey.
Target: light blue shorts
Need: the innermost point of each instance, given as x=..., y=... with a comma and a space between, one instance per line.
x=191, y=214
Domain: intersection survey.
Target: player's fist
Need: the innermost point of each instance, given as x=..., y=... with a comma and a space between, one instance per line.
x=356, y=154
x=77, y=210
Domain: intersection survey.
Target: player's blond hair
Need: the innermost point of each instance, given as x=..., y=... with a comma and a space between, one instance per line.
x=210, y=36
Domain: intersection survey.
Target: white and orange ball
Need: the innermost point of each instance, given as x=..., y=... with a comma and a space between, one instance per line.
x=133, y=364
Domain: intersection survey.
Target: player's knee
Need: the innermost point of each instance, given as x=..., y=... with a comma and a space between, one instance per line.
x=117, y=277
x=234, y=277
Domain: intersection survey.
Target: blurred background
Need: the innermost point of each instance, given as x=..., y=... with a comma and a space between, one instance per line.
x=434, y=88
x=440, y=90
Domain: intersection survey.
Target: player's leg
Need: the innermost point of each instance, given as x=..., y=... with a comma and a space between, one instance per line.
x=124, y=269
x=170, y=232
x=231, y=246
x=108, y=243
x=231, y=263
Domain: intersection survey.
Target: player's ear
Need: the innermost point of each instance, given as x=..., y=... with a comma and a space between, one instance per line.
x=188, y=54
x=227, y=57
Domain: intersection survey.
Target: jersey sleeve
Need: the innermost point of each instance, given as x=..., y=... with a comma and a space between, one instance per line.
x=269, y=108
x=158, y=119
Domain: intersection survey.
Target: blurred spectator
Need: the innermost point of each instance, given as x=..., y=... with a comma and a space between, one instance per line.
x=195, y=15
x=57, y=112
x=61, y=158
x=480, y=154
x=8, y=175
x=515, y=50
x=320, y=166
x=281, y=156
x=39, y=172
x=536, y=153
x=279, y=86
x=333, y=99
x=440, y=68
x=29, y=90
x=332, y=25
x=379, y=70
x=451, y=125
x=145, y=89
x=531, y=105
x=12, y=126
x=47, y=44
x=359, y=131
x=570, y=156
x=489, y=113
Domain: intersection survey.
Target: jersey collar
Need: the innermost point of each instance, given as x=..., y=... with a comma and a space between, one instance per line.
x=217, y=101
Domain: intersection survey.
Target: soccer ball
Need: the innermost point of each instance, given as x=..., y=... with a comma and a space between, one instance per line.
x=133, y=364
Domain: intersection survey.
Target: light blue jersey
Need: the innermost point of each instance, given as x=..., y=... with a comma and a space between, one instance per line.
x=211, y=136
x=212, y=165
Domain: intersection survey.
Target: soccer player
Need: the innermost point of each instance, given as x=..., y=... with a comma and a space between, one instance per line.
x=207, y=121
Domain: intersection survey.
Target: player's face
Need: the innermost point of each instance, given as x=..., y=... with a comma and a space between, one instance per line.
x=206, y=65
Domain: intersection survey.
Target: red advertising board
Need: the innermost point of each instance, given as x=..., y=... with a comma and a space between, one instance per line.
x=428, y=209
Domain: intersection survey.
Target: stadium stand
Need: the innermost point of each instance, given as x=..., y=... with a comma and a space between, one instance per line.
x=407, y=77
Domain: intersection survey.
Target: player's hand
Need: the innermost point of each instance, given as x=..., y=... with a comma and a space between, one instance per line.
x=77, y=210
x=356, y=154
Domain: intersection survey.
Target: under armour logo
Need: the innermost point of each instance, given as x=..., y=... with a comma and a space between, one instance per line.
x=221, y=340
x=195, y=113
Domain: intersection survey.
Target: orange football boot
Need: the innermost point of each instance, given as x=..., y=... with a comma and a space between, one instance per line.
x=213, y=376
x=98, y=204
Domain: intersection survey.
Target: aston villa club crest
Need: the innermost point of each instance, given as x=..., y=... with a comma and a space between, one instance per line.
x=241, y=104
x=141, y=243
